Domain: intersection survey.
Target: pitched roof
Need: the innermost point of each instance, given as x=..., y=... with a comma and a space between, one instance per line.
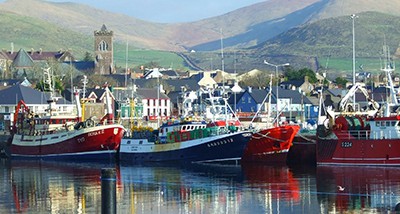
x=170, y=73
x=189, y=84
x=22, y=59
x=294, y=95
x=151, y=93
x=41, y=55
x=15, y=93
x=296, y=83
x=258, y=94
x=83, y=66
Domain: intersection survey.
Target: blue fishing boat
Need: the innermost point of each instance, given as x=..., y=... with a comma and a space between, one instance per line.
x=185, y=141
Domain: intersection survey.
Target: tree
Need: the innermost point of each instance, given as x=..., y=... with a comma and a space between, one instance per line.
x=88, y=57
x=259, y=80
x=341, y=82
x=97, y=80
x=292, y=74
x=57, y=84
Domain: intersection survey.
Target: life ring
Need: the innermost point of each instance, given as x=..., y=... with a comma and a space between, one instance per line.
x=89, y=123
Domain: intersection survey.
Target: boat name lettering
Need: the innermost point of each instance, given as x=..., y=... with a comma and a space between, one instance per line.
x=246, y=134
x=81, y=139
x=347, y=144
x=95, y=133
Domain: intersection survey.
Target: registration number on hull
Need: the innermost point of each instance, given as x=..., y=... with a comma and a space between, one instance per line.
x=347, y=144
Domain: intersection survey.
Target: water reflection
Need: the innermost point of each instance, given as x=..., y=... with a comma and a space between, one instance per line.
x=61, y=187
x=184, y=189
x=50, y=187
x=367, y=189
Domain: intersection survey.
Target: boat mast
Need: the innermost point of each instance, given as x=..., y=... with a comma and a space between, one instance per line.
x=223, y=80
x=389, y=67
x=48, y=81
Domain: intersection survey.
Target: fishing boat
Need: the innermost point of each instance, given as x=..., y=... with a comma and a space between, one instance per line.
x=357, y=135
x=271, y=143
x=56, y=134
x=185, y=141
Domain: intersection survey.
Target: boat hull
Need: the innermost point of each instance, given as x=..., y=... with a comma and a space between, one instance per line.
x=303, y=150
x=219, y=148
x=88, y=143
x=355, y=151
x=270, y=145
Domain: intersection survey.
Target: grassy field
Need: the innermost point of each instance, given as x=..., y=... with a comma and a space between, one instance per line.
x=339, y=64
x=138, y=57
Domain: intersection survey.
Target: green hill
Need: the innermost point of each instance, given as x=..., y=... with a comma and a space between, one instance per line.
x=30, y=33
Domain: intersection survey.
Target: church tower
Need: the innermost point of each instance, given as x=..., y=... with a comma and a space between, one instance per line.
x=103, y=50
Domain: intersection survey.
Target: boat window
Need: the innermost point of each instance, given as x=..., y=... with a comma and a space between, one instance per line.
x=140, y=141
x=387, y=123
x=378, y=123
x=129, y=142
x=394, y=123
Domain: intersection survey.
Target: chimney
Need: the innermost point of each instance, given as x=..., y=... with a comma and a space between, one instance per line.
x=40, y=51
x=12, y=47
x=32, y=51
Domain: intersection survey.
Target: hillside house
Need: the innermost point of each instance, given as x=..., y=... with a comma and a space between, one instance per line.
x=300, y=85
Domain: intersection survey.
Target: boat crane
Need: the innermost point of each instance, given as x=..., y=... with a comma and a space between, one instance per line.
x=345, y=106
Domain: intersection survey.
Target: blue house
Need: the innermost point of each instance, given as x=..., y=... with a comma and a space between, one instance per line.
x=292, y=103
x=248, y=101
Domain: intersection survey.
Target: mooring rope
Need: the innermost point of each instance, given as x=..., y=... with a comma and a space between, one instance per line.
x=306, y=138
x=266, y=136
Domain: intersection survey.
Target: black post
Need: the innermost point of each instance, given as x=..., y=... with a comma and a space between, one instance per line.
x=108, y=191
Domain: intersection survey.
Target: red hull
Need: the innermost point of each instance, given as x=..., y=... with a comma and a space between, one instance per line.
x=270, y=145
x=84, y=142
x=282, y=184
x=347, y=150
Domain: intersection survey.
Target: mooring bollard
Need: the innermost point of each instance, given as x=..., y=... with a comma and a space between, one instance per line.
x=108, y=191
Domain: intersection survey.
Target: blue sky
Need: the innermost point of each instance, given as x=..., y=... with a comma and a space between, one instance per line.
x=167, y=11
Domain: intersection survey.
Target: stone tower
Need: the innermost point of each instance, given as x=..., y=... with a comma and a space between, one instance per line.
x=103, y=51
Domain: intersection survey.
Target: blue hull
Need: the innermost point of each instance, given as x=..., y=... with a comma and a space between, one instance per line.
x=224, y=149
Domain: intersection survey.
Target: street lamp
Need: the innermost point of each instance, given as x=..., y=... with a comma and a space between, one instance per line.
x=353, y=17
x=277, y=91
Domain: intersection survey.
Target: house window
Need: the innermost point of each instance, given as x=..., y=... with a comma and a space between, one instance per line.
x=243, y=100
x=249, y=99
x=7, y=109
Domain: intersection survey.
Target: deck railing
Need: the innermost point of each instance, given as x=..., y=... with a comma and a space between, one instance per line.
x=366, y=134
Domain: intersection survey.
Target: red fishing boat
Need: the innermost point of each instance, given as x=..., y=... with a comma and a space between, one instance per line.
x=356, y=135
x=270, y=144
x=63, y=135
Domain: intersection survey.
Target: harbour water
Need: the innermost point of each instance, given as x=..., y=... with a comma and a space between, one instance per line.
x=65, y=187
